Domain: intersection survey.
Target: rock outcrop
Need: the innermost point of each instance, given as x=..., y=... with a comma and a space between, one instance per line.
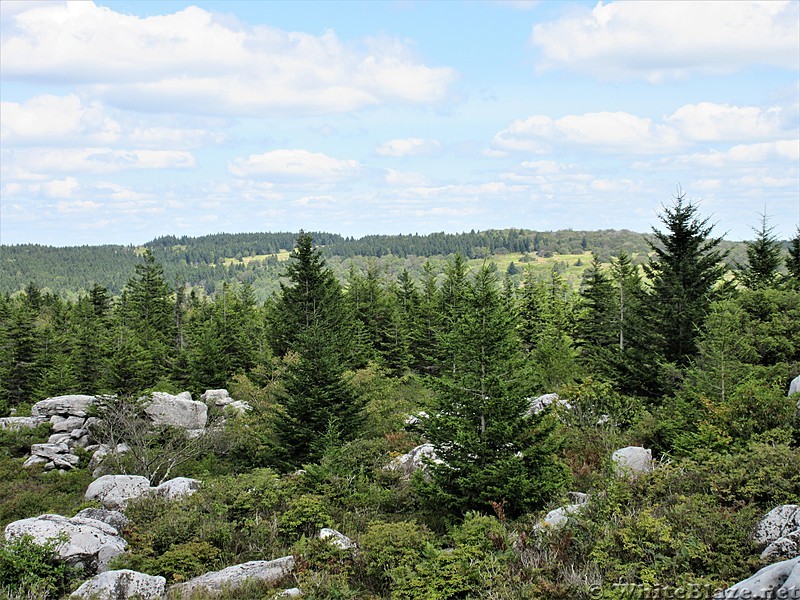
x=19, y=423
x=537, y=405
x=177, y=411
x=268, y=571
x=412, y=461
x=778, y=580
x=115, y=491
x=89, y=543
x=632, y=461
x=122, y=584
x=794, y=386
x=222, y=399
x=780, y=531
x=177, y=488
x=334, y=538
x=111, y=517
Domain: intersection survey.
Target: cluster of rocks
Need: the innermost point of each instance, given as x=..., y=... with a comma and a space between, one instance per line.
x=115, y=491
x=72, y=426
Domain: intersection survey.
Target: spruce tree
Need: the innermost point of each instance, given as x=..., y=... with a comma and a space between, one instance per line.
x=763, y=258
x=310, y=323
x=490, y=450
x=684, y=270
x=793, y=260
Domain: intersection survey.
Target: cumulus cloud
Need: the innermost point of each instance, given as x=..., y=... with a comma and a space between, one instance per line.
x=408, y=147
x=660, y=40
x=95, y=160
x=298, y=165
x=194, y=61
x=613, y=131
x=707, y=121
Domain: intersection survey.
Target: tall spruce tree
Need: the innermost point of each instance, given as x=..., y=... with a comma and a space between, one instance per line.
x=684, y=270
x=490, y=450
x=763, y=258
x=793, y=260
x=310, y=320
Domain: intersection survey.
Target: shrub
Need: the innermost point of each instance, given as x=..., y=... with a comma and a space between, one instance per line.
x=33, y=570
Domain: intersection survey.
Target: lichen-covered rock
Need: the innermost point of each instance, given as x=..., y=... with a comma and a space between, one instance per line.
x=110, y=517
x=177, y=411
x=18, y=423
x=794, y=386
x=778, y=580
x=334, y=538
x=541, y=403
x=786, y=547
x=89, y=543
x=76, y=405
x=269, y=571
x=34, y=460
x=115, y=491
x=777, y=523
x=66, y=424
x=217, y=397
x=632, y=461
x=177, y=488
x=49, y=451
x=122, y=584
x=413, y=460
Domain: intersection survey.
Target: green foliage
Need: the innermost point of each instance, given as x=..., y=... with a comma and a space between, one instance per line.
x=763, y=258
x=28, y=569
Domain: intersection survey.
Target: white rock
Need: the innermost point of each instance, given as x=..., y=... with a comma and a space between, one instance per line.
x=269, y=571
x=777, y=523
x=17, y=423
x=290, y=593
x=238, y=407
x=89, y=543
x=59, y=438
x=778, y=580
x=786, y=547
x=178, y=411
x=123, y=584
x=632, y=461
x=177, y=488
x=76, y=405
x=412, y=460
x=337, y=539
x=114, y=491
x=559, y=516
x=62, y=424
x=65, y=461
x=110, y=517
x=218, y=397
x=35, y=460
x=794, y=386
x=49, y=451
x=539, y=404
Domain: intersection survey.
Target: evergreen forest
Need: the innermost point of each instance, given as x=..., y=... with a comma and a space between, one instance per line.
x=350, y=353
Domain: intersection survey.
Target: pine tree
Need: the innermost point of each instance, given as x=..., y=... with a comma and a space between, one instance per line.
x=491, y=451
x=763, y=258
x=684, y=270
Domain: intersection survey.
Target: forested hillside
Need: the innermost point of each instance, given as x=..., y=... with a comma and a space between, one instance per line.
x=207, y=263
x=666, y=342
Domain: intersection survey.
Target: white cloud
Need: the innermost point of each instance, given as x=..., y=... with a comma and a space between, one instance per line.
x=612, y=131
x=707, y=121
x=95, y=160
x=658, y=40
x=60, y=188
x=55, y=119
x=781, y=151
x=193, y=61
x=408, y=147
x=288, y=164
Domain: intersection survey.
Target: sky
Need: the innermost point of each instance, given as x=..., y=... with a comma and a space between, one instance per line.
x=127, y=120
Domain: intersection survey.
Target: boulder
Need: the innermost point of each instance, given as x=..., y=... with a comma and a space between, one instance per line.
x=35, y=460
x=794, y=386
x=632, y=461
x=290, y=593
x=177, y=488
x=539, y=404
x=178, y=411
x=559, y=516
x=66, y=424
x=237, y=408
x=268, y=571
x=413, y=460
x=60, y=438
x=217, y=397
x=334, y=538
x=18, y=423
x=110, y=517
x=123, y=584
x=76, y=405
x=49, y=451
x=114, y=491
x=777, y=523
x=65, y=461
x=778, y=580
x=89, y=543
x=786, y=547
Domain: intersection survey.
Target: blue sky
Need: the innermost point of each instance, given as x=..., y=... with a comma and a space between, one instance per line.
x=123, y=121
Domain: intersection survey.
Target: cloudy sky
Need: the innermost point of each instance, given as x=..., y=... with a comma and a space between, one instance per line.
x=123, y=121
